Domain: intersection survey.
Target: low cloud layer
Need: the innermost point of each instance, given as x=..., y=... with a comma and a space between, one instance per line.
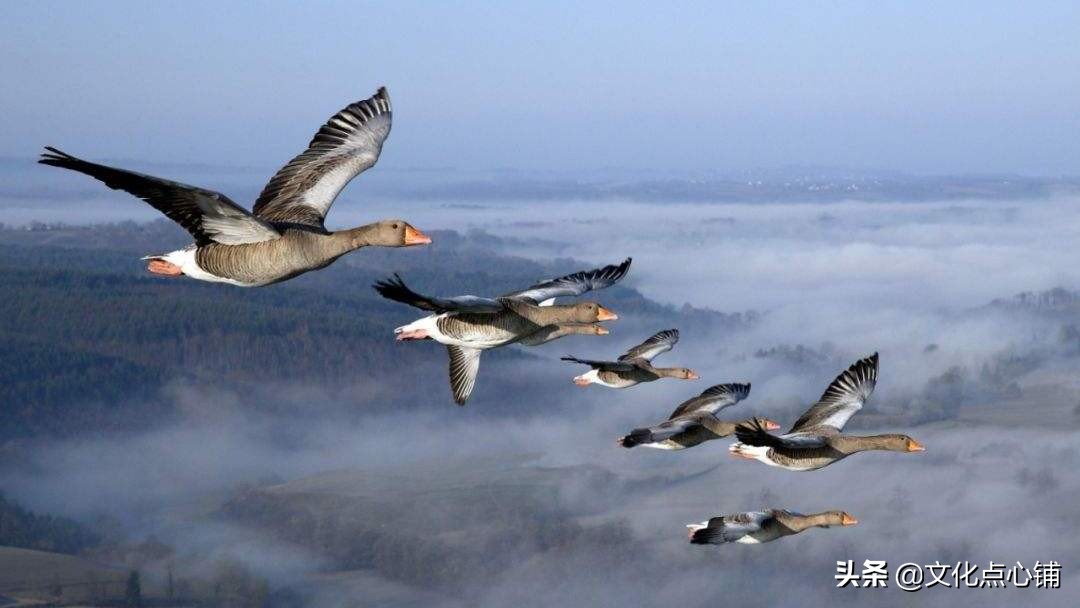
x=990, y=390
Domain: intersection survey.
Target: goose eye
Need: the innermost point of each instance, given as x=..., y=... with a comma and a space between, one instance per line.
x=395, y=226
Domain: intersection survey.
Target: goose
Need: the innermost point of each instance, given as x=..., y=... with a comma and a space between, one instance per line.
x=468, y=325
x=816, y=439
x=635, y=365
x=284, y=235
x=756, y=527
x=694, y=421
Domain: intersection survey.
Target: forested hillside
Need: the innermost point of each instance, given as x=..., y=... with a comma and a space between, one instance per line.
x=91, y=340
x=22, y=528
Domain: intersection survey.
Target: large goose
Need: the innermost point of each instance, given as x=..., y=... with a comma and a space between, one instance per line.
x=816, y=440
x=694, y=421
x=635, y=365
x=468, y=325
x=284, y=235
x=756, y=527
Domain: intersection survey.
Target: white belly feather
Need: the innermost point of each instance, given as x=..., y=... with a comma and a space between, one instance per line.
x=593, y=377
x=666, y=444
x=185, y=259
x=430, y=325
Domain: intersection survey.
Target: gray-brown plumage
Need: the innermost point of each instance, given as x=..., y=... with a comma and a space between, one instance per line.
x=555, y=331
x=756, y=527
x=468, y=325
x=635, y=365
x=285, y=235
x=686, y=431
x=694, y=421
x=713, y=399
x=816, y=440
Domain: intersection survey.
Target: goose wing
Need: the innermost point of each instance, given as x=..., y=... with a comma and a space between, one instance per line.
x=573, y=284
x=604, y=366
x=753, y=433
x=842, y=399
x=670, y=428
x=729, y=528
x=348, y=144
x=696, y=422
x=464, y=364
x=395, y=289
x=713, y=399
x=657, y=344
x=209, y=216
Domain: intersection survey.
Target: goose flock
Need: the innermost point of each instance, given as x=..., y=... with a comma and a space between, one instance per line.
x=469, y=325
x=284, y=235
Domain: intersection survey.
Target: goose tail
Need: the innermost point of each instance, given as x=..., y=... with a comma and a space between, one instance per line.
x=636, y=438
x=702, y=534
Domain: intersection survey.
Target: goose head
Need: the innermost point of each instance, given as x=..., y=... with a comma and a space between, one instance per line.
x=582, y=329
x=591, y=312
x=594, y=329
x=395, y=233
x=837, y=518
x=682, y=373
x=899, y=443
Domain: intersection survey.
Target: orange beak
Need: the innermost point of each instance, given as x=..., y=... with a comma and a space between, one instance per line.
x=915, y=446
x=847, y=520
x=692, y=376
x=415, y=237
x=606, y=315
x=771, y=426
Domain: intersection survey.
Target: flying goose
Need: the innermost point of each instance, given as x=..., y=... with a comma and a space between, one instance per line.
x=816, y=440
x=284, y=235
x=694, y=421
x=756, y=527
x=635, y=365
x=468, y=325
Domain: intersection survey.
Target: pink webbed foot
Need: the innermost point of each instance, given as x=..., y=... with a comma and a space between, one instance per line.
x=412, y=334
x=163, y=268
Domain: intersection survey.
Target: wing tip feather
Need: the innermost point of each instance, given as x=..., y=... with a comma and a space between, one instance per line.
x=56, y=158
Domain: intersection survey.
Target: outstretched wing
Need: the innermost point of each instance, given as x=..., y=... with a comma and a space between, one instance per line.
x=843, y=398
x=729, y=528
x=348, y=144
x=395, y=289
x=713, y=399
x=574, y=284
x=658, y=343
x=464, y=364
x=605, y=366
x=753, y=433
x=209, y=216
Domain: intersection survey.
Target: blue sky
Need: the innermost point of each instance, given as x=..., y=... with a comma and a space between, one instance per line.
x=971, y=87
